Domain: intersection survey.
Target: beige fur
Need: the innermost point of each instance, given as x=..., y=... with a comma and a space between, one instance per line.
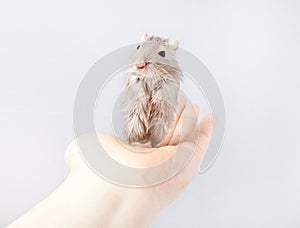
x=151, y=93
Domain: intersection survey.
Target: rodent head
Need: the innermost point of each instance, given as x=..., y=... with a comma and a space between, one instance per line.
x=156, y=55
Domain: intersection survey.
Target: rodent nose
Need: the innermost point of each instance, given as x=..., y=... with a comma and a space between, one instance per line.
x=140, y=65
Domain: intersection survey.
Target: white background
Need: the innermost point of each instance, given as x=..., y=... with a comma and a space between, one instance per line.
x=251, y=47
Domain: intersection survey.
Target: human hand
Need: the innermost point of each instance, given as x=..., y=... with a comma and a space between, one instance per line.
x=147, y=202
x=86, y=200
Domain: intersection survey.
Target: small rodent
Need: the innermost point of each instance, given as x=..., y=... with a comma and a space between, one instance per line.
x=151, y=91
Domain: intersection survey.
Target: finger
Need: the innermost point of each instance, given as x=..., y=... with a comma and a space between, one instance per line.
x=199, y=144
x=201, y=137
x=181, y=102
x=186, y=124
x=205, y=131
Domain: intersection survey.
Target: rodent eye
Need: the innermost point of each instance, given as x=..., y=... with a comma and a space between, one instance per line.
x=162, y=53
x=138, y=47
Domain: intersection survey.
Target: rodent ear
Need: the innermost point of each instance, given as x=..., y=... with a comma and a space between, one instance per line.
x=174, y=44
x=144, y=37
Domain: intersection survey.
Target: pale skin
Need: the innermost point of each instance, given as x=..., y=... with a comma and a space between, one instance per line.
x=86, y=200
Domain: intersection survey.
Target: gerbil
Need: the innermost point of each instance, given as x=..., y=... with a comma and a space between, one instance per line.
x=151, y=90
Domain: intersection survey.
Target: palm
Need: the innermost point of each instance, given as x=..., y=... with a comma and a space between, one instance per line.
x=192, y=137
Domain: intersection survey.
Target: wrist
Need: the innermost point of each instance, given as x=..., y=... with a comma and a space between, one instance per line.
x=112, y=205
